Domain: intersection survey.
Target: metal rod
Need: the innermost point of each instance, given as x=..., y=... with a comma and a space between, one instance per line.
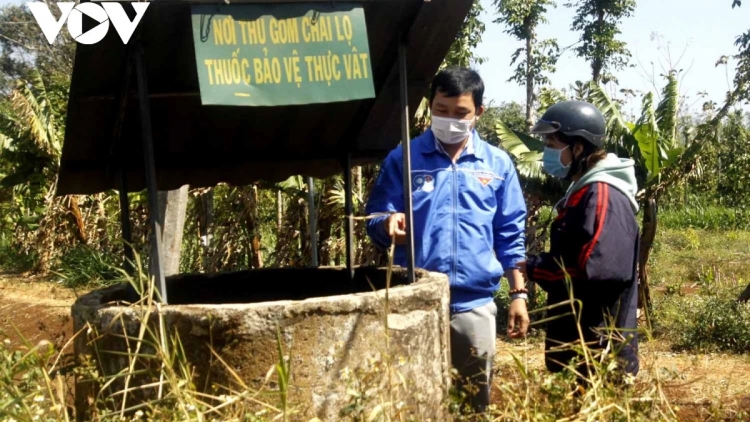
x=115, y=147
x=312, y=217
x=127, y=236
x=155, y=267
x=407, y=159
x=349, y=211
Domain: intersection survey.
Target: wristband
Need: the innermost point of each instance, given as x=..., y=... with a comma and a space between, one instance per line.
x=523, y=296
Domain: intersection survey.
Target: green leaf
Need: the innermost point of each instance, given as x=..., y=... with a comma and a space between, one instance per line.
x=666, y=112
x=617, y=126
x=528, y=162
x=13, y=180
x=646, y=132
x=532, y=143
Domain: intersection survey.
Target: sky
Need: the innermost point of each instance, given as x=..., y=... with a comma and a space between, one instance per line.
x=691, y=34
x=694, y=33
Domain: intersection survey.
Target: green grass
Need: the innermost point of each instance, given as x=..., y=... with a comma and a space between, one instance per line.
x=685, y=258
x=85, y=266
x=704, y=217
x=696, y=277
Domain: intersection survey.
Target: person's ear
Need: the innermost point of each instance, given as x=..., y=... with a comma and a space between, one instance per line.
x=577, y=150
x=480, y=111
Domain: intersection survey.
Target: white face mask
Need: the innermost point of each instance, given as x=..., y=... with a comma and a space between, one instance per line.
x=451, y=131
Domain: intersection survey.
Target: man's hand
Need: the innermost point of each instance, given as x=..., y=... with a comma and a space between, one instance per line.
x=395, y=225
x=518, y=319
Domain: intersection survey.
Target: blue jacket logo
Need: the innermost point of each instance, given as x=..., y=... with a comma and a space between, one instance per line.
x=424, y=183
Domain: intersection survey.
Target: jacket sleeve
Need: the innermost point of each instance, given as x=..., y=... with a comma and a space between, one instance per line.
x=602, y=255
x=509, y=224
x=387, y=196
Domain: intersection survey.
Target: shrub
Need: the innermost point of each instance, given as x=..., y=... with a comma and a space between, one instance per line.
x=710, y=322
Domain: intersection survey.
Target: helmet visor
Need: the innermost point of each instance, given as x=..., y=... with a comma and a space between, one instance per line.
x=544, y=127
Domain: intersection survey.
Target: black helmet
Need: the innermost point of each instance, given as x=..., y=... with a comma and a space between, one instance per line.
x=574, y=118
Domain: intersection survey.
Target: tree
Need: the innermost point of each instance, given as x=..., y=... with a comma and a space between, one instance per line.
x=734, y=158
x=741, y=91
x=461, y=53
x=468, y=38
x=511, y=114
x=521, y=18
x=24, y=49
x=598, y=21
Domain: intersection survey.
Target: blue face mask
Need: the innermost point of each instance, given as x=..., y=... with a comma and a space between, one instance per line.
x=553, y=164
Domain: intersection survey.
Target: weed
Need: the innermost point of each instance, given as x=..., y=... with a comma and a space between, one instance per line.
x=84, y=266
x=711, y=322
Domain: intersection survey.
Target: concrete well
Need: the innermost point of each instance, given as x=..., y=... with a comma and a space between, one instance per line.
x=328, y=325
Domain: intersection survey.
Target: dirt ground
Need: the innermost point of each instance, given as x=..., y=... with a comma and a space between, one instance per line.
x=699, y=385
x=37, y=308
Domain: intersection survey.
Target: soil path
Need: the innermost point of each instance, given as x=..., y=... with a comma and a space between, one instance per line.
x=37, y=308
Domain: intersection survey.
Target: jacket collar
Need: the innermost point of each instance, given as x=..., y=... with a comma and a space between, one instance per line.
x=473, y=147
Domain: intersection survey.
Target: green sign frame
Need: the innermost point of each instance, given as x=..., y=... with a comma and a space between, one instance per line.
x=281, y=54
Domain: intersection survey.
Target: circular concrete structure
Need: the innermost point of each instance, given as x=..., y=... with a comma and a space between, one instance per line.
x=329, y=324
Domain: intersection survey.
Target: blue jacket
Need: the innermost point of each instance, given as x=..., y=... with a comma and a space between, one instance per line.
x=469, y=217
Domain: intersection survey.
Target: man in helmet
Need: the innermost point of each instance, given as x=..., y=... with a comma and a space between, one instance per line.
x=594, y=240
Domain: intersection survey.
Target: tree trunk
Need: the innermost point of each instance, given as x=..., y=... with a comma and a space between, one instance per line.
x=745, y=296
x=101, y=222
x=279, y=211
x=647, y=241
x=529, y=76
x=598, y=62
x=75, y=211
x=252, y=222
x=205, y=223
x=358, y=179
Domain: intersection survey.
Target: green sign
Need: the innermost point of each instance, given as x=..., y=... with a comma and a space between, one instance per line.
x=281, y=54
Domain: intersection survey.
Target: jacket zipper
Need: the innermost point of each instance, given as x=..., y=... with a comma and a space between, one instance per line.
x=454, y=264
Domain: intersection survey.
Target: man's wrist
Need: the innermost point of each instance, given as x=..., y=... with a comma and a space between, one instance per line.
x=515, y=278
x=516, y=296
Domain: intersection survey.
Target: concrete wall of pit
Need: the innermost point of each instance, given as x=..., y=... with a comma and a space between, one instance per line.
x=328, y=325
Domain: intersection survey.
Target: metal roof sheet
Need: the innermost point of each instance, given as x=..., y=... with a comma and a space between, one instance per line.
x=204, y=145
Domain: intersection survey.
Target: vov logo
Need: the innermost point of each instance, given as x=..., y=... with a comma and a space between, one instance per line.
x=73, y=14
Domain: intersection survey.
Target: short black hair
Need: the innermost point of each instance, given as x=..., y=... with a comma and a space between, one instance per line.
x=455, y=81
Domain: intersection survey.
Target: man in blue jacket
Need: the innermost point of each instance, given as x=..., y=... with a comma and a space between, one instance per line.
x=469, y=217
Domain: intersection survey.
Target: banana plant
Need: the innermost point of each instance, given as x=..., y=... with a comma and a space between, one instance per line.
x=525, y=149
x=652, y=140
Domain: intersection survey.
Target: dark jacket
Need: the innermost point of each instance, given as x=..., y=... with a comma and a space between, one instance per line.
x=596, y=237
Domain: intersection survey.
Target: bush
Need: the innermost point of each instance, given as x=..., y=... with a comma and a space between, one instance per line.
x=86, y=266
x=710, y=322
x=13, y=259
